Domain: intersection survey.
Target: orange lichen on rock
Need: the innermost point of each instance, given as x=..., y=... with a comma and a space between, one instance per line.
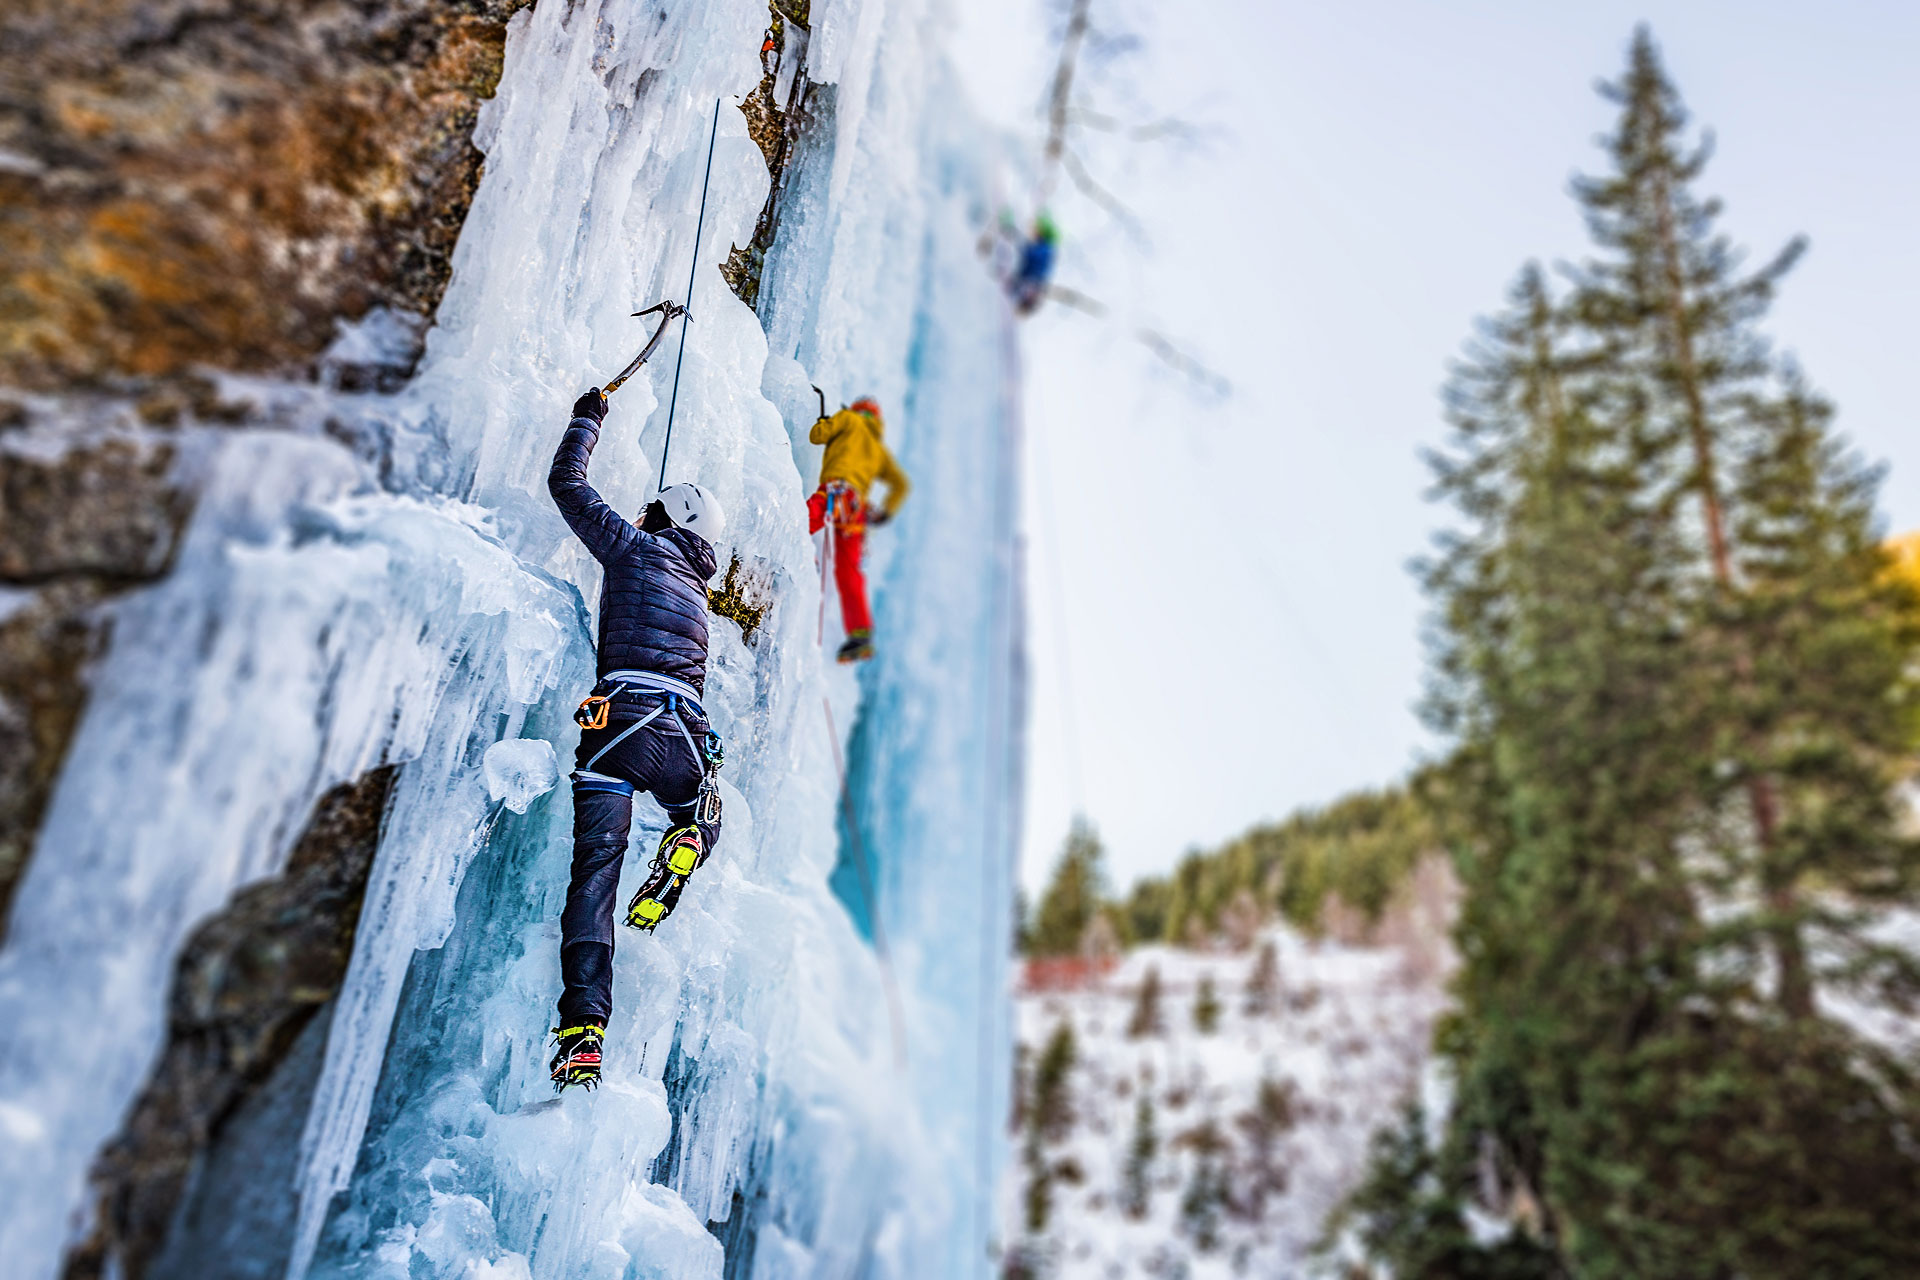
x=220, y=191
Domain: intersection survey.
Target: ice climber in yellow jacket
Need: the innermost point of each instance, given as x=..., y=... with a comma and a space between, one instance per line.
x=856, y=457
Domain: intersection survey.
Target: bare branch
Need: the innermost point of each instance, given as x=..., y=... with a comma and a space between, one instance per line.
x=1077, y=170
x=1061, y=95
x=1170, y=127
x=1077, y=300
x=1161, y=346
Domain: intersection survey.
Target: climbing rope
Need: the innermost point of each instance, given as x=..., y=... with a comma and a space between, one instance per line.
x=692, y=272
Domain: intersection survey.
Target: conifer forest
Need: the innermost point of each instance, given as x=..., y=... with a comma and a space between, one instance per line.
x=1276, y=641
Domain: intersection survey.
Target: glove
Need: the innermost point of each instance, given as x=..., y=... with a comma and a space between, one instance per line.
x=592, y=405
x=879, y=518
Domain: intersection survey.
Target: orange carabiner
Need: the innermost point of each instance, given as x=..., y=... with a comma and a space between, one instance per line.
x=593, y=713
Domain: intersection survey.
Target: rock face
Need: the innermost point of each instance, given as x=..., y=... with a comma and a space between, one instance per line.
x=213, y=182
x=188, y=185
x=191, y=187
x=247, y=985
x=76, y=527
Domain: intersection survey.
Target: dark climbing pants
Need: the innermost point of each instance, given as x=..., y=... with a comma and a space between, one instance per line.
x=655, y=759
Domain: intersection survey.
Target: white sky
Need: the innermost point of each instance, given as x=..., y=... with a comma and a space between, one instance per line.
x=1223, y=625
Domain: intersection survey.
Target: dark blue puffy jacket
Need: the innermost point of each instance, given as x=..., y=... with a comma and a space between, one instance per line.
x=653, y=608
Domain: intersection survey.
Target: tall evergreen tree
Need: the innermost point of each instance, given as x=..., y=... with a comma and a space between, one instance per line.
x=1678, y=316
x=1672, y=658
x=1145, y=1018
x=1073, y=896
x=1136, y=1174
x=1206, y=1007
x=1262, y=998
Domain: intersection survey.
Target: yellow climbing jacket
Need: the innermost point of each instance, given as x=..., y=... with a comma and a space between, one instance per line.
x=856, y=454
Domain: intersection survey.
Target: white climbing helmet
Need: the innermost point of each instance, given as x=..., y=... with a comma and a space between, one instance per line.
x=693, y=508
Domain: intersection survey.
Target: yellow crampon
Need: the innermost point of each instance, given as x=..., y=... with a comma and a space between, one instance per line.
x=646, y=912
x=681, y=851
x=681, y=848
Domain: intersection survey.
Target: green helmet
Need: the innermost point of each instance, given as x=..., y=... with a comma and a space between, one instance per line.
x=1044, y=228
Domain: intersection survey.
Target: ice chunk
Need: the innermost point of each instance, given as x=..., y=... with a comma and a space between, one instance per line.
x=520, y=771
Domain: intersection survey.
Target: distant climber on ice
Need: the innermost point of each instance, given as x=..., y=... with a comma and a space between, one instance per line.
x=642, y=728
x=1028, y=285
x=856, y=456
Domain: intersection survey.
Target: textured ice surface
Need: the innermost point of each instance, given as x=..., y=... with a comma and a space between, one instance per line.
x=383, y=578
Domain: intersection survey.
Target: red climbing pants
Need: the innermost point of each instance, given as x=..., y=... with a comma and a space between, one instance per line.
x=838, y=506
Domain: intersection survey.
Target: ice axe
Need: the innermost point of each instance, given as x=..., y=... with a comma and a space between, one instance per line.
x=667, y=310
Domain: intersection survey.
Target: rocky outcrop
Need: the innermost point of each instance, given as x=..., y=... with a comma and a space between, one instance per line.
x=247, y=985
x=76, y=527
x=190, y=188
x=190, y=185
x=187, y=182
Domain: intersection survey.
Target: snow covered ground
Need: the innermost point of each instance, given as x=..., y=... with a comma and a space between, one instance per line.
x=1345, y=1040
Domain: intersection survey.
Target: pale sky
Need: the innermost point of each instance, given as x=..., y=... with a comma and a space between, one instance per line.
x=1223, y=625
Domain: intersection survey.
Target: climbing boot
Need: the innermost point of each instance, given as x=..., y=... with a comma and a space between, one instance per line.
x=858, y=648
x=577, y=1061
x=680, y=853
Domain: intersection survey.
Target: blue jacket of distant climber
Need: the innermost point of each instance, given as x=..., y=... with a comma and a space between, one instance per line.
x=1036, y=263
x=653, y=607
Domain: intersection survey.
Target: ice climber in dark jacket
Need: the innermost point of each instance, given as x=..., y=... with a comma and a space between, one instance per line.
x=642, y=729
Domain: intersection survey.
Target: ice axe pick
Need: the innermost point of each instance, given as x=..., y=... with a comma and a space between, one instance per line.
x=667, y=310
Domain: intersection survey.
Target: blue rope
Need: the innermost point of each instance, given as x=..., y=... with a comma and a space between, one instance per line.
x=692, y=271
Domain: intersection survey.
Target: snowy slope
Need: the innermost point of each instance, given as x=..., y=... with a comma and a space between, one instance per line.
x=383, y=578
x=1347, y=1040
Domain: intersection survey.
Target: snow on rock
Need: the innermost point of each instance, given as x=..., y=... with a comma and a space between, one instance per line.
x=1345, y=1038
x=520, y=771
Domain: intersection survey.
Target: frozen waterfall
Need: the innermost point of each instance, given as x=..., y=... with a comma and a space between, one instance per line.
x=382, y=578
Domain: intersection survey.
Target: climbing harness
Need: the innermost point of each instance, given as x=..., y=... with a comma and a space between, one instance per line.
x=596, y=710
x=683, y=848
x=578, y=1059
x=667, y=310
x=699, y=226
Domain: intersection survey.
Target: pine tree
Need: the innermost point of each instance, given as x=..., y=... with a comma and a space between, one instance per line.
x=1048, y=1115
x=1052, y=1113
x=1823, y=712
x=1671, y=657
x=1136, y=1175
x=1678, y=317
x=1263, y=984
x=1203, y=1203
x=1273, y=1115
x=1145, y=1020
x=1073, y=895
x=1206, y=1007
